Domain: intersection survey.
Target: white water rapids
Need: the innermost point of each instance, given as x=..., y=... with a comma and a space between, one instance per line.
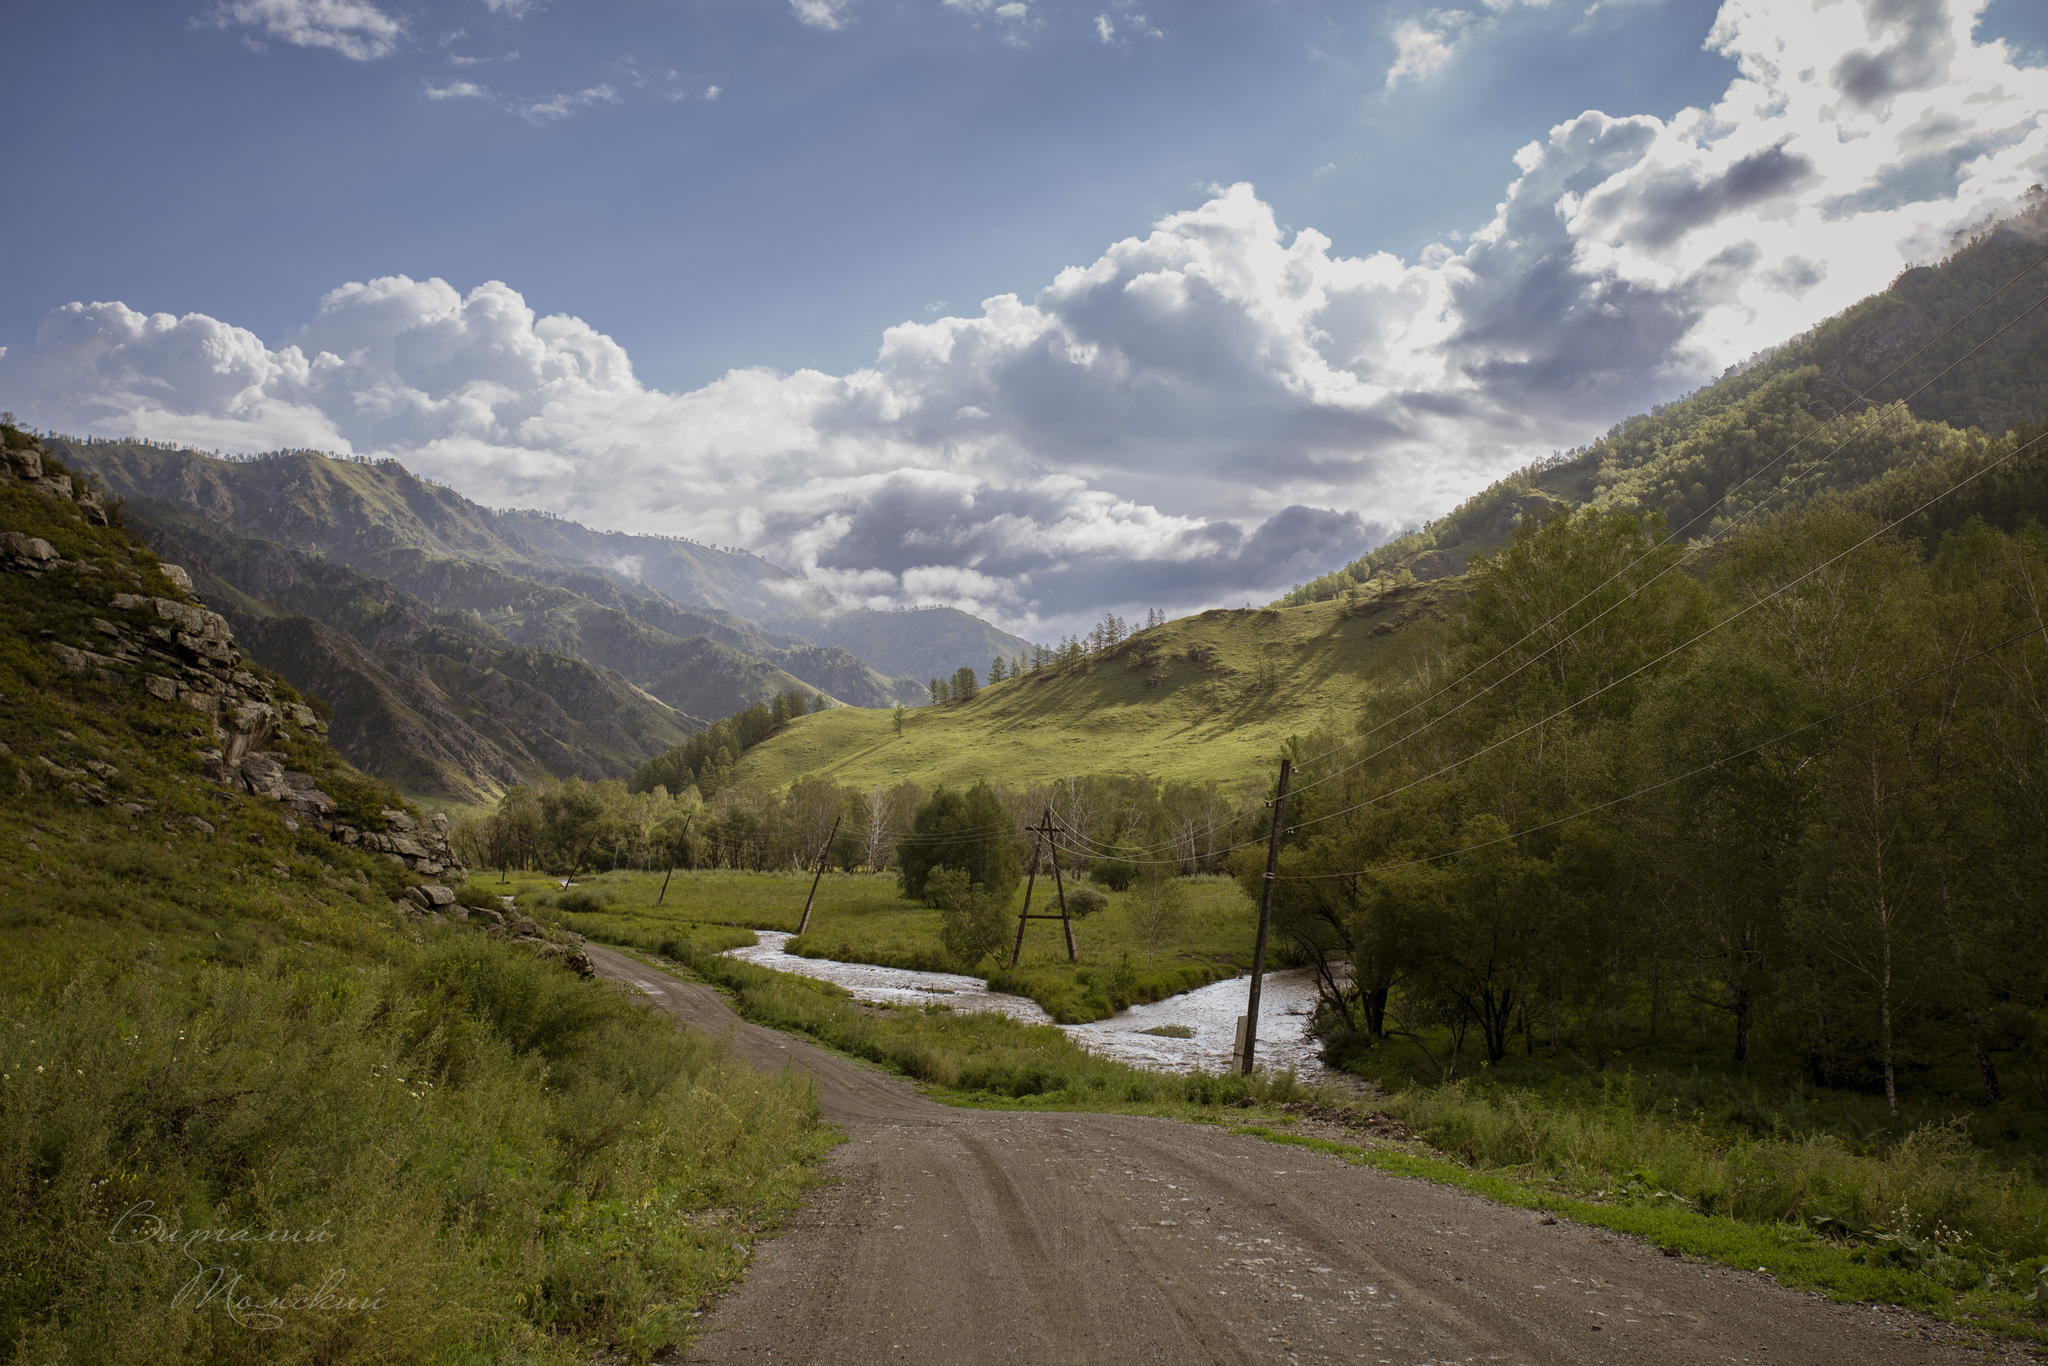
x=1286, y=1001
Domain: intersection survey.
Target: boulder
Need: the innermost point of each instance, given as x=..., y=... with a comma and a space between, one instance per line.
x=264, y=776
x=28, y=552
x=429, y=896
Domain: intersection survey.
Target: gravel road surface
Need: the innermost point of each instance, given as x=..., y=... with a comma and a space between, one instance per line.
x=956, y=1237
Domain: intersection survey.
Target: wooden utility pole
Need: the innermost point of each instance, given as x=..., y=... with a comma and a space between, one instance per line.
x=805, y=923
x=1041, y=841
x=1251, y=1021
x=672, y=858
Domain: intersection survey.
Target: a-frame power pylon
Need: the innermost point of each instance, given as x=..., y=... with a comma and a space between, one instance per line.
x=1044, y=842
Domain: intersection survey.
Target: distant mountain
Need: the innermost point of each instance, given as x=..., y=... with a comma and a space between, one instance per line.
x=437, y=703
x=442, y=624
x=923, y=642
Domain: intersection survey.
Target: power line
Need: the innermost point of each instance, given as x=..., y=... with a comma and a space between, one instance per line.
x=1681, y=777
x=1684, y=644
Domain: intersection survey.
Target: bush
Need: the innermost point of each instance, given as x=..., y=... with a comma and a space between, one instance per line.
x=973, y=924
x=1083, y=902
x=1116, y=870
x=583, y=900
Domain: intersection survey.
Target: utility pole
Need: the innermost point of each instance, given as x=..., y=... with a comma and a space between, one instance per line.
x=805, y=923
x=1251, y=1020
x=672, y=858
x=1042, y=840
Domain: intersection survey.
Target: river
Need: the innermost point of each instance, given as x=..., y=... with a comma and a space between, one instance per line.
x=1286, y=1002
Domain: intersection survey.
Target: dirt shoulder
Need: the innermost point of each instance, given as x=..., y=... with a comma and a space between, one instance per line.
x=959, y=1236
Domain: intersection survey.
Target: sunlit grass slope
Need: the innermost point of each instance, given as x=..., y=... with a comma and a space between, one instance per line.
x=1208, y=696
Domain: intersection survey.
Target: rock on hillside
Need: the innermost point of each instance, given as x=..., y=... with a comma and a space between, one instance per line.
x=171, y=648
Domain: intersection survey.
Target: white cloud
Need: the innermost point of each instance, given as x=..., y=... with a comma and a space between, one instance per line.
x=457, y=90
x=1202, y=414
x=563, y=105
x=1104, y=29
x=356, y=29
x=1422, y=46
x=712, y=92
x=820, y=13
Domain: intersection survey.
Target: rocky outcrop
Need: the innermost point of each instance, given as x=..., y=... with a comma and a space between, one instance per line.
x=179, y=652
x=439, y=904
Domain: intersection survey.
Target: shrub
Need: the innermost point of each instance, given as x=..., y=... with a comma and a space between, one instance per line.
x=1083, y=902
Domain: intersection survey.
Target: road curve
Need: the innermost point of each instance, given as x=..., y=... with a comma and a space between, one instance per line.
x=951, y=1236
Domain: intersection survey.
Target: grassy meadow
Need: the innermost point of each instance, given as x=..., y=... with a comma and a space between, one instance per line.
x=1212, y=696
x=859, y=918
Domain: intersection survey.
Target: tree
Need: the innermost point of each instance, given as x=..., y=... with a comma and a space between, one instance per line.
x=897, y=717
x=965, y=684
x=998, y=669
x=1159, y=908
x=969, y=831
x=974, y=923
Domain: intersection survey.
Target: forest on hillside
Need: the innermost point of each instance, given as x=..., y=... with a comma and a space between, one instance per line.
x=1797, y=805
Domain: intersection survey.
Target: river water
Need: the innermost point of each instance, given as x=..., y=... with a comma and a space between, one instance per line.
x=1286, y=1001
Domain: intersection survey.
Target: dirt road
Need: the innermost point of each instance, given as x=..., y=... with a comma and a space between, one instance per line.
x=959, y=1236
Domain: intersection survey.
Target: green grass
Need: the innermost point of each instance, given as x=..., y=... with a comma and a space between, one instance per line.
x=1152, y=707
x=859, y=918
x=210, y=1021
x=1982, y=1293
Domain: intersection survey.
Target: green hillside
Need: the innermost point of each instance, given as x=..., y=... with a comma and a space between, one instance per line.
x=1209, y=696
x=227, y=1007
x=1763, y=443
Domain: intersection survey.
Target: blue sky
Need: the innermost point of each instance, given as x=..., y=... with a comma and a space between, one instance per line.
x=841, y=181
x=724, y=267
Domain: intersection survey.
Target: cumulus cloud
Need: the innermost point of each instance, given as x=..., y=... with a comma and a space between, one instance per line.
x=1205, y=413
x=356, y=29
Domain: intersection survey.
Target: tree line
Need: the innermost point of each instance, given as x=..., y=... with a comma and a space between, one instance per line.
x=576, y=826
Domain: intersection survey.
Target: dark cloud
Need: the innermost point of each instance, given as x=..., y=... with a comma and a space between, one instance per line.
x=1933, y=175
x=1292, y=546
x=1916, y=59
x=1665, y=207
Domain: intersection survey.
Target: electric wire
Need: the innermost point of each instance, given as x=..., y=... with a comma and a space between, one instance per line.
x=1676, y=778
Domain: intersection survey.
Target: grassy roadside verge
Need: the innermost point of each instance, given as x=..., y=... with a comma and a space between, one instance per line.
x=1792, y=1253
x=989, y=1061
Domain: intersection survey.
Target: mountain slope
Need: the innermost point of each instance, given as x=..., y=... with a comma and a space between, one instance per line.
x=1788, y=427
x=436, y=703
x=1214, y=695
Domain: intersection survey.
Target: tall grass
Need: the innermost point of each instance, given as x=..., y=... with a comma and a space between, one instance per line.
x=476, y=1156
x=1930, y=1191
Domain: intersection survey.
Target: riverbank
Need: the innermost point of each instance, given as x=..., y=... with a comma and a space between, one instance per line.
x=859, y=918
